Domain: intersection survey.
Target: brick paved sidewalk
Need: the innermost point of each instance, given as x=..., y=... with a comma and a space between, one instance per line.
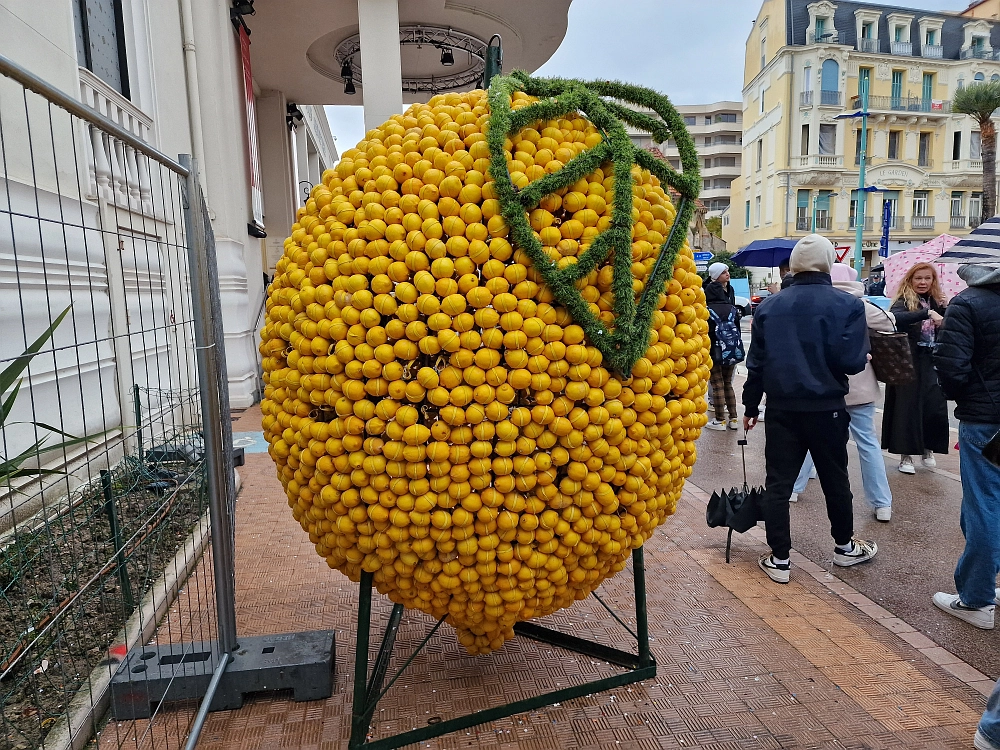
x=743, y=663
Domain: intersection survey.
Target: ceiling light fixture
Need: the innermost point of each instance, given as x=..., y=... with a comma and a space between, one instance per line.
x=345, y=69
x=447, y=57
x=349, y=87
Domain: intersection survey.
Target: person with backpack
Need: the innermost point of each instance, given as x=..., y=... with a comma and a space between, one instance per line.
x=862, y=394
x=727, y=348
x=806, y=340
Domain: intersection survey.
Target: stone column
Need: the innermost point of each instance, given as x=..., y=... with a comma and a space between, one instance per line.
x=382, y=79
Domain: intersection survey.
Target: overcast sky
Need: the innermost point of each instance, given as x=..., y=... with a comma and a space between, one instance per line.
x=690, y=51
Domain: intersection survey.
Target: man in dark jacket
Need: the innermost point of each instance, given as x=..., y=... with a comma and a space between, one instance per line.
x=967, y=360
x=805, y=341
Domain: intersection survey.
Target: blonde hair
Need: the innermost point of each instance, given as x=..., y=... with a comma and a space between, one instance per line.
x=907, y=293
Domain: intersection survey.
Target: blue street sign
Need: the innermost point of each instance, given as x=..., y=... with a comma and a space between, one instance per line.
x=702, y=257
x=883, y=245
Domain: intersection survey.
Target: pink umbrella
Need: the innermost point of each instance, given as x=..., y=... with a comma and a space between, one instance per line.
x=897, y=266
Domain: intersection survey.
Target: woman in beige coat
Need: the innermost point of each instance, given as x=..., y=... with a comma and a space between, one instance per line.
x=864, y=391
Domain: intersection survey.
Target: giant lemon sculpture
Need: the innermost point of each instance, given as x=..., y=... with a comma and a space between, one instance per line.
x=486, y=353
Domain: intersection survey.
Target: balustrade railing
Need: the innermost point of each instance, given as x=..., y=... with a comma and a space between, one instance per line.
x=113, y=171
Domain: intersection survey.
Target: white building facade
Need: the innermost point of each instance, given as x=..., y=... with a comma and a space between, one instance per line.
x=179, y=76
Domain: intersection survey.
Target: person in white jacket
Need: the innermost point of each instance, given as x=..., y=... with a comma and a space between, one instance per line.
x=861, y=406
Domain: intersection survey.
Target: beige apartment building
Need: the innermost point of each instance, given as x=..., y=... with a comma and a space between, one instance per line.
x=800, y=167
x=717, y=130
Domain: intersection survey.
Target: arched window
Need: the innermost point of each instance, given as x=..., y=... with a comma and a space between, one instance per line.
x=995, y=77
x=830, y=82
x=979, y=77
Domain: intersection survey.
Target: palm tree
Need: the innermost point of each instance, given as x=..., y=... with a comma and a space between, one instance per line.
x=980, y=101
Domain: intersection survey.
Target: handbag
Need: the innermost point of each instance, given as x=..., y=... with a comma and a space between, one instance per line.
x=892, y=358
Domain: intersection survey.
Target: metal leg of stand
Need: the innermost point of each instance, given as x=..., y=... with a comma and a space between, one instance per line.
x=641, y=615
x=359, y=732
x=729, y=544
x=366, y=693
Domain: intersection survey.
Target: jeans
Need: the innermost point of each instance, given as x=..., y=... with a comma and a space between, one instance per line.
x=990, y=723
x=976, y=572
x=873, y=477
x=789, y=436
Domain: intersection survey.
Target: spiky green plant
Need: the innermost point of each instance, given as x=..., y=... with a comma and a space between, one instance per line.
x=980, y=101
x=15, y=467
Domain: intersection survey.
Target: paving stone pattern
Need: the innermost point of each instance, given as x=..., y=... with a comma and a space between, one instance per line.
x=744, y=664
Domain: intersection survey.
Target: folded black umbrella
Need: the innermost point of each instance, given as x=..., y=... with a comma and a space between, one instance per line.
x=738, y=508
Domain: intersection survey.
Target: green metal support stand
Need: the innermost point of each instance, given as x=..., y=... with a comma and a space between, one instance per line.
x=110, y=507
x=368, y=692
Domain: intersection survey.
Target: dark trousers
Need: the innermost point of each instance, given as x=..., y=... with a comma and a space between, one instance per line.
x=789, y=435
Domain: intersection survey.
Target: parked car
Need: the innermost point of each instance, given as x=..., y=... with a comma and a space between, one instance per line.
x=757, y=298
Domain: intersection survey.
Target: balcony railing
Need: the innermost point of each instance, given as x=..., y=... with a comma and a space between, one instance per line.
x=867, y=45
x=806, y=99
x=904, y=104
x=853, y=223
x=975, y=221
x=957, y=222
x=977, y=53
x=828, y=37
x=932, y=51
x=921, y=222
x=901, y=48
x=803, y=225
x=830, y=98
x=966, y=165
x=820, y=160
x=824, y=223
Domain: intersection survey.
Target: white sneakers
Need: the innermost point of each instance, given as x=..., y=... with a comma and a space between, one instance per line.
x=884, y=514
x=794, y=497
x=982, y=742
x=906, y=463
x=861, y=551
x=777, y=573
x=981, y=617
x=715, y=424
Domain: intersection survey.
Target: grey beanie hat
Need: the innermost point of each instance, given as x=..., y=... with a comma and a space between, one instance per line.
x=979, y=275
x=812, y=253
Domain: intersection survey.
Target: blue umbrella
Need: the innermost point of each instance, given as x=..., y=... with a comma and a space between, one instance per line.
x=764, y=253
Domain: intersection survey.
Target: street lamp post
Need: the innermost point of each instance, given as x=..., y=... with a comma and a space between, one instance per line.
x=859, y=212
x=862, y=193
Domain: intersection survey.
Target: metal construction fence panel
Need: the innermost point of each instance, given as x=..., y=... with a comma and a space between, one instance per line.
x=113, y=412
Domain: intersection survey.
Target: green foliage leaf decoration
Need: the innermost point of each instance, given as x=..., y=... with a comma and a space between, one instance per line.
x=603, y=103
